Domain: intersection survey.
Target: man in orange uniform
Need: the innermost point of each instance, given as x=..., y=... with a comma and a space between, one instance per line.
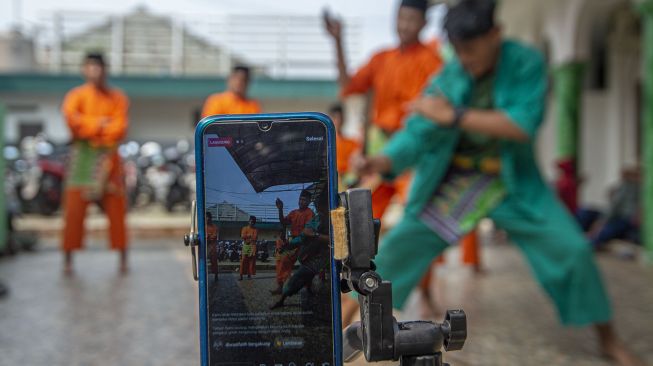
x=279, y=254
x=234, y=100
x=297, y=219
x=395, y=76
x=249, y=234
x=345, y=146
x=97, y=117
x=212, y=233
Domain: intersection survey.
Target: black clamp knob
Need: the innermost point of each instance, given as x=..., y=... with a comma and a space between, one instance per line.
x=455, y=329
x=192, y=239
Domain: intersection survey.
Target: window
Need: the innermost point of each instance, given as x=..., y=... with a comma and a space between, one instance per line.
x=29, y=128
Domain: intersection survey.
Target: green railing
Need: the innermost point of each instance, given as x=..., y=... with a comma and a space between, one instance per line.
x=3, y=209
x=646, y=10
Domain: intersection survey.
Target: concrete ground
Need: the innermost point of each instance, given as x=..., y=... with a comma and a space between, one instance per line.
x=150, y=316
x=152, y=221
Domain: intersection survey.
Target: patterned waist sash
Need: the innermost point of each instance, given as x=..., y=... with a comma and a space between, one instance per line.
x=463, y=198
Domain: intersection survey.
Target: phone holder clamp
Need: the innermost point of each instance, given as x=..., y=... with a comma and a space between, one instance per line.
x=192, y=239
x=378, y=335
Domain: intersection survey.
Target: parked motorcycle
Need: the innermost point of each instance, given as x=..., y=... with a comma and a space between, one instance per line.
x=180, y=165
x=39, y=169
x=221, y=251
x=262, y=253
x=233, y=251
x=16, y=241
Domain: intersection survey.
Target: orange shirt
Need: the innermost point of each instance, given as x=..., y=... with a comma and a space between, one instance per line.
x=345, y=147
x=98, y=116
x=229, y=103
x=396, y=77
x=298, y=219
x=249, y=234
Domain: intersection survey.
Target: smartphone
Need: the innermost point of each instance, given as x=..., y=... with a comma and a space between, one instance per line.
x=268, y=284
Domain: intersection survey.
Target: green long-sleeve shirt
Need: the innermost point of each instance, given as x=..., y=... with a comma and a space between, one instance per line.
x=520, y=88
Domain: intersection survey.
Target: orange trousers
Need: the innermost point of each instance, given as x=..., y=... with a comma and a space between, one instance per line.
x=75, y=204
x=247, y=265
x=284, y=267
x=382, y=195
x=213, y=256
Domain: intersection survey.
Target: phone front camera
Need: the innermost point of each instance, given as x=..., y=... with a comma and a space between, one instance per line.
x=265, y=125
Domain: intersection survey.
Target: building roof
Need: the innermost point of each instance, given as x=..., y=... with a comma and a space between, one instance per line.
x=229, y=212
x=140, y=43
x=268, y=162
x=170, y=87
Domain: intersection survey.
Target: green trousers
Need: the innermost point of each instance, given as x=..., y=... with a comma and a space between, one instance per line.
x=560, y=256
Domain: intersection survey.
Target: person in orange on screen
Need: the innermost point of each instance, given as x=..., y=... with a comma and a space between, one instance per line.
x=249, y=234
x=234, y=100
x=212, y=243
x=96, y=115
x=297, y=219
x=395, y=77
x=283, y=266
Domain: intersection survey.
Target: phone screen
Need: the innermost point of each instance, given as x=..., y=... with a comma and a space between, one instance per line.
x=269, y=290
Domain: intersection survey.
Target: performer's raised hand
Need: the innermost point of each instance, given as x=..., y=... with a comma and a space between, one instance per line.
x=332, y=25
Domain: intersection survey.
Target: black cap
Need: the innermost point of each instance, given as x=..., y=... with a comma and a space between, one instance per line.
x=241, y=68
x=306, y=193
x=421, y=5
x=469, y=19
x=95, y=57
x=335, y=108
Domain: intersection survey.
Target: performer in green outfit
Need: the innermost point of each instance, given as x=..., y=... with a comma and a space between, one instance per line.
x=470, y=141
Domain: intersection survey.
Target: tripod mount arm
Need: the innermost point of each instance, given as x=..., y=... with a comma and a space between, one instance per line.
x=378, y=335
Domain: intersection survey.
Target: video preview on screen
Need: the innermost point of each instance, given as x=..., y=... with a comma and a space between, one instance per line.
x=268, y=248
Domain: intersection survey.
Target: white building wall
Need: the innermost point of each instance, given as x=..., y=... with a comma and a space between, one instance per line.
x=31, y=109
x=162, y=119
x=16, y=52
x=522, y=19
x=606, y=140
x=601, y=141
x=598, y=164
x=608, y=127
x=150, y=119
x=166, y=119
x=287, y=105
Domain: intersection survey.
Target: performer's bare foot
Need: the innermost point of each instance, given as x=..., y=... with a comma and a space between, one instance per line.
x=124, y=268
x=613, y=348
x=68, y=263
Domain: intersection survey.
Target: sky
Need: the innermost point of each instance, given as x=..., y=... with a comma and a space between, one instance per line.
x=377, y=16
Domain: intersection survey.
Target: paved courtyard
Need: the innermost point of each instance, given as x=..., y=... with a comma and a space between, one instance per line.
x=149, y=316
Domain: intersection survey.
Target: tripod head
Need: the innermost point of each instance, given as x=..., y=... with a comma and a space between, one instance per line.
x=378, y=335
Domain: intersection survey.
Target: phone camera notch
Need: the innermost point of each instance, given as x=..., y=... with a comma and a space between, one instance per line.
x=265, y=125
